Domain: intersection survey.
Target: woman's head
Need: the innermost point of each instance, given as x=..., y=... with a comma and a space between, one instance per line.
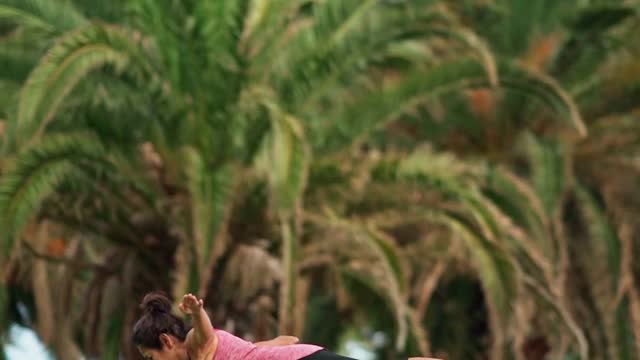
x=158, y=333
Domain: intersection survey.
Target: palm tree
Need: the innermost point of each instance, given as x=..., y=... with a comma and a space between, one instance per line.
x=151, y=133
x=552, y=192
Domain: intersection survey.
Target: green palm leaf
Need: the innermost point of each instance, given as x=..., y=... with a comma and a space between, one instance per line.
x=284, y=160
x=384, y=272
x=549, y=175
x=385, y=105
x=347, y=36
x=495, y=268
x=602, y=235
x=68, y=62
x=211, y=195
x=544, y=88
x=477, y=224
x=392, y=261
x=602, y=243
x=38, y=171
x=378, y=108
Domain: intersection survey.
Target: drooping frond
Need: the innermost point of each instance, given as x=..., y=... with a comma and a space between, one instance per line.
x=210, y=194
x=37, y=172
x=601, y=243
x=549, y=173
x=285, y=160
x=602, y=235
x=495, y=268
x=541, y=87
x=374, y=259
x=68, y=62
x=474, y=222
x=396, y=279
x=385, y=105
x=528, y=224
x=377, y=109
x=312, y=51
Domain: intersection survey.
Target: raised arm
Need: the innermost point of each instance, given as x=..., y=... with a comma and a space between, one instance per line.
x=201, y=339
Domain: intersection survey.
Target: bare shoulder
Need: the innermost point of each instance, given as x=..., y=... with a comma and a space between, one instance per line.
x=204, y=352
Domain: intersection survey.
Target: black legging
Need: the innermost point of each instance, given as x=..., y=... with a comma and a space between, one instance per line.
x=325, y=355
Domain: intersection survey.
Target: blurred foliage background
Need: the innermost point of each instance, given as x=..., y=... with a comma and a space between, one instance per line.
x=455, y=178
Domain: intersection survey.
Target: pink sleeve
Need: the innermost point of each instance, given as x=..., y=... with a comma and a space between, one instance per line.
x=233, y=348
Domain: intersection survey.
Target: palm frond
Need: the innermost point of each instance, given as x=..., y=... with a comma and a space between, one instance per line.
x=373, y=258
x=284, y=159
x=483, y=228
x=605, y=242
x=495, y=267
x=382, y=106
x=345, y=38
x=211, y=194
x=390, y=258
x=549, y=175
x=217, y=30
x=482, y=237
x=38, y=171
x=523, y=219
x=602, y=243
x=390, y=299
x=312, y=51
x=68, y=62
x=543, y=88
x=518, y=199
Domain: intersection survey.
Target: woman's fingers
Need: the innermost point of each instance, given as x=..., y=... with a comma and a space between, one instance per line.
x=191, y=303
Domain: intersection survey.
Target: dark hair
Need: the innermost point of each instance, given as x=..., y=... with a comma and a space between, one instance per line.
x=156, y=320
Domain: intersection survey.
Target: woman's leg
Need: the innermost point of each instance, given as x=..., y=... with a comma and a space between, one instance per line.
x=325, y=355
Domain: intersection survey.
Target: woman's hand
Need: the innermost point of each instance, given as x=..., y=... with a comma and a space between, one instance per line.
x=190, y=305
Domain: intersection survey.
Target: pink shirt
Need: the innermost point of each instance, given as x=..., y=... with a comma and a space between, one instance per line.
x=233, y=348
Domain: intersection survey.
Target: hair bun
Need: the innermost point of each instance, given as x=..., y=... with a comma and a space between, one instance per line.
x=156, y=303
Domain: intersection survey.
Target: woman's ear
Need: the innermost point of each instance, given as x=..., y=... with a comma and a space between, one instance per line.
x=166, y=341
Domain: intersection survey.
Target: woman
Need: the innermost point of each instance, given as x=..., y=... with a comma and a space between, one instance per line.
x=160, y=335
